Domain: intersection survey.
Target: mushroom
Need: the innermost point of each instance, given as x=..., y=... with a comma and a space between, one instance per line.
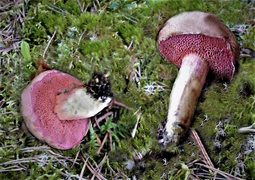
x=203, y=48
x=37, y=108
x=85, y=101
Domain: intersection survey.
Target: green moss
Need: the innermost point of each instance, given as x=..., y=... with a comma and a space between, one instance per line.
x=119, y=40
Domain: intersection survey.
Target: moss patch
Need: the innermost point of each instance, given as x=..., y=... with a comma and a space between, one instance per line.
x=119, y=37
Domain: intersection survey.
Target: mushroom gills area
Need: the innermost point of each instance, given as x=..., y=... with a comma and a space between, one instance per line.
x=216, y=51
x=78, y=104
x=39, y=112
x=183, y=99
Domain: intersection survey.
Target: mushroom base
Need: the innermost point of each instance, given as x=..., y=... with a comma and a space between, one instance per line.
x=183, y=98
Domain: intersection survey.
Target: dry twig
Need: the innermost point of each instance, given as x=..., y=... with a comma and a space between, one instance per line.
x=101, y=146
x=49, y=43
x=226, y=175
x=75, y=159
x=83, y=168
x=201, y=148
x=121, y=105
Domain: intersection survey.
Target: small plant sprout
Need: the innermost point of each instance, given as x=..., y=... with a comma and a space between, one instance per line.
x=152, y=88
x=25, y=51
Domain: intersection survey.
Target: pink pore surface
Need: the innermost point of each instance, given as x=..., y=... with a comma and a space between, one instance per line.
x=60, y=134
x=216, y=51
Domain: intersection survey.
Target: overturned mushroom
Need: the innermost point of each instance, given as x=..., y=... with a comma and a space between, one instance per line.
x=38, y=101
x=85, y=101
x=203, y=48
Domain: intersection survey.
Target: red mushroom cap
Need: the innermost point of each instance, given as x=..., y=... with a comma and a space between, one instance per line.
x=203, y=34
x=37, y=107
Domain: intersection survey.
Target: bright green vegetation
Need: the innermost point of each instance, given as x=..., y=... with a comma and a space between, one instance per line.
x=119, y=37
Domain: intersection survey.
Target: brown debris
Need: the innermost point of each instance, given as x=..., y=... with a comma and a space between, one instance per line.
x=201, y=148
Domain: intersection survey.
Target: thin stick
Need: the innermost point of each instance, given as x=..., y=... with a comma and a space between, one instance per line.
x=8, y=170
x=81, y=37
x=219, y=171
x=248, y=129
x=105, y=6
x=6, y=5
x=98, y=140
x=120, y=104
x=97, y=174
x=110, y=137
x=129, y=19
x=23, y=160
x=100, y=165
x=62, y=163
x=138, y=116
x=49, y=43
x=103, y=117
x=75, y=159
x=95, y=7
x=86, y=8
x=131, y=43
x=31, y=149
x=58, y=155
x=201, y=148
x=92, y=170
x=98, y=4
x=105, y=137
x=191, y=163
x=80, y=5
x=96, y=123
x=83, y=168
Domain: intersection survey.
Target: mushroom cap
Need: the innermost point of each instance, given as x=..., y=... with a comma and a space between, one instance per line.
x=37, y=108
x=204, y=34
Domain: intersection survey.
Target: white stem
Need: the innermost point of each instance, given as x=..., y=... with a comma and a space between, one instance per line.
x=184, y=95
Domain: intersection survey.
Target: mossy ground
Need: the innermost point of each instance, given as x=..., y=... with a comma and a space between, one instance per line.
x=119, y=37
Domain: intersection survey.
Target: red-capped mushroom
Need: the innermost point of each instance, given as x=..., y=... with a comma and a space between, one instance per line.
x=202, y=47
x=37, y=108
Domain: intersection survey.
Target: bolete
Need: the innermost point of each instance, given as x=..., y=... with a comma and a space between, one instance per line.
x=85, y=101
x=202, y=47
x=38, y=101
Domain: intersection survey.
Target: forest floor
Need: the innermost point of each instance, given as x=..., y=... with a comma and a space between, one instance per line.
x=80, y=37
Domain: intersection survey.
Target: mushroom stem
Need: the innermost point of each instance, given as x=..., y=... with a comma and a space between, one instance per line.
x=184, y=95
